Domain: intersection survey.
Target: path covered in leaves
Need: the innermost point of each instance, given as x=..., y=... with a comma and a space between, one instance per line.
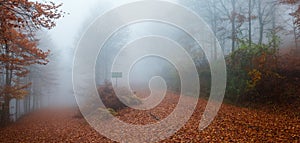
x=233, y=124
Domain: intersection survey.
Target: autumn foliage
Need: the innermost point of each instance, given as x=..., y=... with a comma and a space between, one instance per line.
x=20, y=20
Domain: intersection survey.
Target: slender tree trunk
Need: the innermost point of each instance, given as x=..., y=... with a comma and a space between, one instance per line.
x=215, y=32
x=29, y=104
x=17, y=109
x=233, y=26
x=34, y=102
x=250, y=22
x=5, y=113
x=25, y=105
x=261, y=23
x=295, y=35
x=33, y=91
x=273, y=31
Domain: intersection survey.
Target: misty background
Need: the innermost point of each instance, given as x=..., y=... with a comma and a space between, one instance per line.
x=55, y=79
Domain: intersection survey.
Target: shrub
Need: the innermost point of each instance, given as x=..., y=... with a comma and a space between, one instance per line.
x=111, y=100
x=252, y=72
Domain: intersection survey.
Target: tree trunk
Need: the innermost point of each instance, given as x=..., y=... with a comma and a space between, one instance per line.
x=261, y=23
x=274, y=26
x=34, y=102
x=233, y=26
x=250, y=23
x=17, y=109
x=295, y=35
x=5, y=113
x=215, y=32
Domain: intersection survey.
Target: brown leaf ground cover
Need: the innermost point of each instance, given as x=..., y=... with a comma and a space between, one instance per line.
x=278, y=122
x=232, y=124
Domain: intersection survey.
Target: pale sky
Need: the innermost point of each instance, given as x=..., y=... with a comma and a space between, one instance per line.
x=81, y=11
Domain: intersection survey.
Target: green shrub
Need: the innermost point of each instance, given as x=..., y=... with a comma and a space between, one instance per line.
x=251, y=70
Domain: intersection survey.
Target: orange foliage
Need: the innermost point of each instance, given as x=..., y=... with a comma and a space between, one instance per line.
x=19, y=21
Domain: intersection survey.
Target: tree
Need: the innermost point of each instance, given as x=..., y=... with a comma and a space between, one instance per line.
x=296, y=12
x=250, y=7
x=266, y=14
x=232, y=17
x=232, y=13
x=296, y=20
x=20, y=20
x=215, y=22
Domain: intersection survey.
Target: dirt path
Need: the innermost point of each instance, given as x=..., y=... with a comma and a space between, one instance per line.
x=233, y=124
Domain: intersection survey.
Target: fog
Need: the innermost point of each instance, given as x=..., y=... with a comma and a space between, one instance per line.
x=149, y=70
x=64, y=38
x=69, y=29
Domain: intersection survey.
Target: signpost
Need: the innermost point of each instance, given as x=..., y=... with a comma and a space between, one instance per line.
x=116, y=75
